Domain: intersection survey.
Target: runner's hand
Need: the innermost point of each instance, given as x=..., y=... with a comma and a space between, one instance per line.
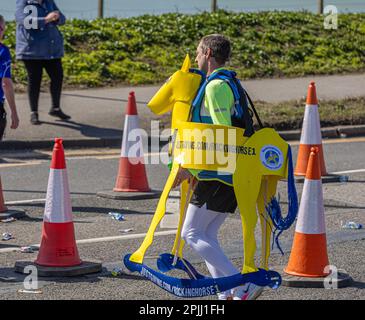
x=52, y=16
x=14, y=120
x=183, y=174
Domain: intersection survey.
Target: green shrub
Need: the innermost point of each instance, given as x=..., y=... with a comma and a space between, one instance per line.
x=147, y=49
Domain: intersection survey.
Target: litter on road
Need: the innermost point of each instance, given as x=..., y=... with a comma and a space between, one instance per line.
x=344, y=178
x=116, y=272
x=7, y=236
x=117, y=216
x=351, y=225
x=26, y=250
x=30, y=291
x=126, y=230
x=11, y=219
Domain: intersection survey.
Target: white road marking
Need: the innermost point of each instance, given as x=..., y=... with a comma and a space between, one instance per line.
x=21, y=164
x=79, y=156
x=349, y=171
x=125, y=237
x=25, y=201
x=332, y=141
x=44, y=200
x=152, y=154
x=105, y=239
x=105, y=157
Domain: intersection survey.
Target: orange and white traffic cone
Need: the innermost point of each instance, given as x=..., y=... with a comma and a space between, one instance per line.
x=5, y=212
x=308, y=257
x=58, y=254
x=58, y=247
x=131, y=181
x=132, y=175
x=311, y=134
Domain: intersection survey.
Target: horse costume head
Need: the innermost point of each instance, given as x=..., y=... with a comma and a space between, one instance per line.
x=177, y=93
x=260, y=161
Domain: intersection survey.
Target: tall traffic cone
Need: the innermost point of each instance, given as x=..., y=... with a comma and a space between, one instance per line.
x=58, y=254
x=6, y=213
x=132, y=175
x=58, y=247
x=308, y=256
x=311, y=134
x=308, y=265
x=131, y=181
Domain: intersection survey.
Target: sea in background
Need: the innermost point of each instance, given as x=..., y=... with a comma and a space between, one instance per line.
x=87, y=9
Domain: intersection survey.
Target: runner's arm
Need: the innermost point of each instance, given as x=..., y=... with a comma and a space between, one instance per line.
x=10, y=98
x=8, y=88
x=219, y=100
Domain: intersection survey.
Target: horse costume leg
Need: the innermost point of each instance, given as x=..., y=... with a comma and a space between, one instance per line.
x=247, y=191
x=186, y=191
x=138, y=255
x=267, y=191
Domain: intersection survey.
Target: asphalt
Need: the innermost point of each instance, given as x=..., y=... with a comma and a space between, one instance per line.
x=98, y=114
x=343, y=201
x=345, y=249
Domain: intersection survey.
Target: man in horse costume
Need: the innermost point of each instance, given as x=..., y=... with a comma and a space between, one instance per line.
x=220, y=161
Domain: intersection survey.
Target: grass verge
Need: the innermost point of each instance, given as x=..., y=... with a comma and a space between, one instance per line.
x=148, y=49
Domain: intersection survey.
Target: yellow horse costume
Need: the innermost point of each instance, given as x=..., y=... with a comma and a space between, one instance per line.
x=256, y=163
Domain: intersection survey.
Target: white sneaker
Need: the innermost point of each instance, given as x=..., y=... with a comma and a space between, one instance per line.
x=249, y=291
x=226, y=295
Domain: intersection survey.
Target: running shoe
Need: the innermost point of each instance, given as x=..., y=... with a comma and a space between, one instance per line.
x=249, y=291
x=226, y=295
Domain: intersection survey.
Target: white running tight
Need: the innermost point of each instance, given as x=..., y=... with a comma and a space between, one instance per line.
x=200, y=231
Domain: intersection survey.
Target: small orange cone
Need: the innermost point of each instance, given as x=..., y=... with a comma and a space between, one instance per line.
x=58, y=247
x=132, y=175
x=308, y=257
x=311, y=134
x=2, y=201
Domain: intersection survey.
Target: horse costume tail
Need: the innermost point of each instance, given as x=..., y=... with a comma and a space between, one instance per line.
x=273, y=208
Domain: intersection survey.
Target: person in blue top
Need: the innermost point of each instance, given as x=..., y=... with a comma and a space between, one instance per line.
x=6, y=87
x=39, y=44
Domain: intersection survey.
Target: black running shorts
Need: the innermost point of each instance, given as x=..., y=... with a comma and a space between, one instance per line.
x=218, y=196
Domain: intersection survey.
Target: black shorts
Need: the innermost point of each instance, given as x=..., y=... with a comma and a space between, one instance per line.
x=218, y=196
x=2, y=120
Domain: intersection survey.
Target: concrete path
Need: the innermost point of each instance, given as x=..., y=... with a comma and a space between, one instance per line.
x=98, y=114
